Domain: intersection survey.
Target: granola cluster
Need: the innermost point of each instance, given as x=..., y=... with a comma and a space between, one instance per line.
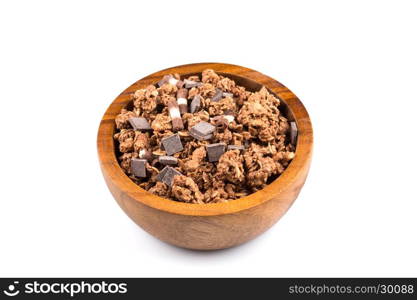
x=203, y=139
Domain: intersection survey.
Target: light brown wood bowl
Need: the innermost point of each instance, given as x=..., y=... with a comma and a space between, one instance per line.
x=217, y=225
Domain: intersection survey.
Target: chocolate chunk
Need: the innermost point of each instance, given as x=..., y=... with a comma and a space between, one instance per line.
x=167, y=175
x=174, y=113
x=201, y=137
x=161, y=174
x=217, y=96
x=202, y=128
x=235, y=147
x=138, y=167
x=172, y=144
x=227, y=95
x=164, y=80
x=190, y=83
x=182, y=102
x=168, y=160
x=140, y=123
x=169, y=79
x=202, y=131
x=195, y=104
x=182, y=93
x=214, y=151
x=177, y=124
x=293, y=133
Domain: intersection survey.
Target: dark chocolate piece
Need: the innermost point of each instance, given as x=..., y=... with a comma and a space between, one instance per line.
x=164, y=80
x=202, y=128
x=190, y=83
x=293, y=133
x=138, y=167
x=168, y=160
x=162, y=173
x=195, y=104
x=235, y=147
x=177, y=124
x=214, y=151
x=174, y=113
x=202, y=131
x=172, y=144
x=140, y=123
x=169, y=79
x=167, y=175
x=201, y=137
x=217, y=96
x=182, y=102
x=227, y=95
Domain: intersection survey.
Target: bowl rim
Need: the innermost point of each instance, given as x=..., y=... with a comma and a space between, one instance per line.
x=112, y=170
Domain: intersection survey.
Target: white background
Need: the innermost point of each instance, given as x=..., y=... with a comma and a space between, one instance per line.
x=352, y=63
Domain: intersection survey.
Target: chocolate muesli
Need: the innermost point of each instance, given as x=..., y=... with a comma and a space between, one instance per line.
x=203, y=139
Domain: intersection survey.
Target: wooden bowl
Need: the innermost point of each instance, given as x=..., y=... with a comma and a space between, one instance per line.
x=217, y=225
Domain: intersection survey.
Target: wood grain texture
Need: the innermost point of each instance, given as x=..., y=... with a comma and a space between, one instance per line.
x=217, y=225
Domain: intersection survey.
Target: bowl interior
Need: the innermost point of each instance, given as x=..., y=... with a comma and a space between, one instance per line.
x=251, y=86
